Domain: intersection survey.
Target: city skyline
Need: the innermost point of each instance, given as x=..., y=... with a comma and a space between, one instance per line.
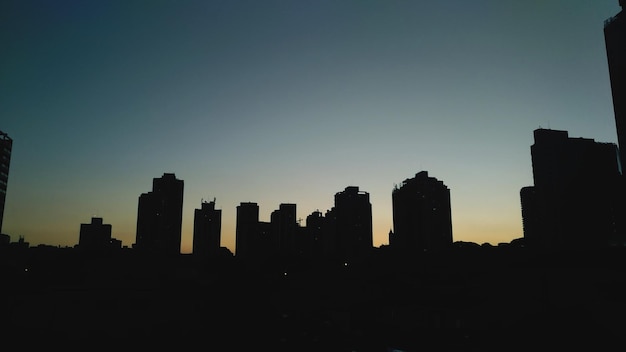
x=388, y=98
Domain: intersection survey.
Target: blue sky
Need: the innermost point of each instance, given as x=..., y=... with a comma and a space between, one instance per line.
x=289, y=102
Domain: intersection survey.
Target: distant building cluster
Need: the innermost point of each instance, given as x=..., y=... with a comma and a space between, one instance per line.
x=421, y=207
x=344, y=232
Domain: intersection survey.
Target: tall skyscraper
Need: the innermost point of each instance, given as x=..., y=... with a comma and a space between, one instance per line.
x=422, y=216
x=615, y=42
x=6, y=144
x=575, y=201
x=160, y=215
x=207, y=227
x=353, y=223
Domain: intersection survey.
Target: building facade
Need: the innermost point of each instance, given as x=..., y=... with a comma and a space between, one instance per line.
x=6, y=145
x=160, y=215
x=422, y=215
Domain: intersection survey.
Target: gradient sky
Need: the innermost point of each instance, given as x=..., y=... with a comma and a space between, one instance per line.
x=289, y=102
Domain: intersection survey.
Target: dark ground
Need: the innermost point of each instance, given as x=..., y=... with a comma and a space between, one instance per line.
x=466, y=299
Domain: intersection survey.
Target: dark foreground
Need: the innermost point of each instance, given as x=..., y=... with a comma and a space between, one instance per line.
x=466, y=299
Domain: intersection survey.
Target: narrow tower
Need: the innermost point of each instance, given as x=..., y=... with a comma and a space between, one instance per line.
x=615, y=41
x=6, y=144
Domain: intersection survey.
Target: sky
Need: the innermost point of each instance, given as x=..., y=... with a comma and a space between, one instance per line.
x=289, y=102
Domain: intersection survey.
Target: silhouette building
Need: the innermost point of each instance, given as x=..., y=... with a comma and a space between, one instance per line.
x=320, y=240
x=422, y=217
x=6, y=144
x=352, y=220
x=159, y=216
x=615, y=42
x=575, y=201
x=95, y=236
x=247, y=234
x=283, y=230
x=207, y=227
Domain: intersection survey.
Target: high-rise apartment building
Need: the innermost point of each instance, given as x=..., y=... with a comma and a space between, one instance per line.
x=247, y=230
x=576, y=199
x=352, y=217
x=422, y=216
x=283, y=229
x=318, y=232
x=615, y=42
x=160, y=215
x=6, y=144
x=207, y=227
